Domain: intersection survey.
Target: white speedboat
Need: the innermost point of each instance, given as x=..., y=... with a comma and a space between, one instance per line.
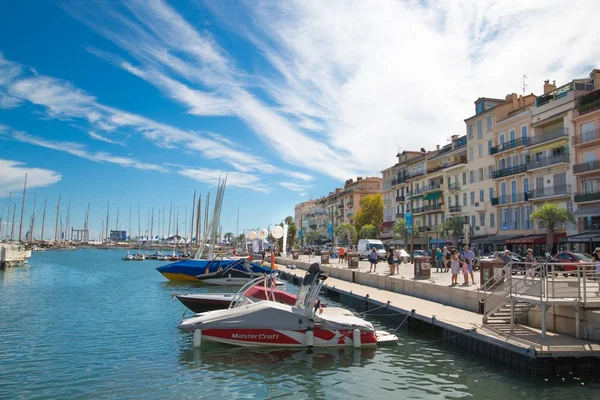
x=272, y=324
x=128, y=257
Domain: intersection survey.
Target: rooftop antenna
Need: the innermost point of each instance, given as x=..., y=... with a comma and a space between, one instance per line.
x=524, y=84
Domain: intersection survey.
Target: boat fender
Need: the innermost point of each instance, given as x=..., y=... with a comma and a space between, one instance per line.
x=310, y=338
x=356, y=338
x=197, y=338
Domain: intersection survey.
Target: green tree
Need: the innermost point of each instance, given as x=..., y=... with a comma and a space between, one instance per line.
x=368, y=231
x=452, y=229
x=311, y=237
x=289, y=220
x=549, y=216
x=371, y=211
x=345, y=232
x=228, y=236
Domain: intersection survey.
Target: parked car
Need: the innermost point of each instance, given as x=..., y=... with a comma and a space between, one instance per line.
x=569, y=261
x=366, y=245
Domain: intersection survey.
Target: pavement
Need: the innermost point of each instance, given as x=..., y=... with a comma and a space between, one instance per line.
x=406, y=271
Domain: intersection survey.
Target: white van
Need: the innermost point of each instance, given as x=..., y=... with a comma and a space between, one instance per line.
x=366, y=245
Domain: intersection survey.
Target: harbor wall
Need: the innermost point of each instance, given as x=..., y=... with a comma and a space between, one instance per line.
x=562, y=319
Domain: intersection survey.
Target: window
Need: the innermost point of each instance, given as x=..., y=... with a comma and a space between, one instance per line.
x=472, y=176
x=472, y=220
x=489, y=147
x=503, y=220
x=512, y=135
x=479, y=129
x=464, y=199
x=525, y=185
x=524, y=131
x=436, y=219
x=482, y=219
x=490, y=171
x=464, y=178
x=489, y=123
x=501, y=138
x=470, y=131
x=449, y=201
x=480, y=149
x=589, y=156
x=491, y=193
x=492, y=220
x=470, y=154
x=515, y=218
x=472, y=198
x=590, y=186
x=587, y=132
x=480, y=174
x=481, y=199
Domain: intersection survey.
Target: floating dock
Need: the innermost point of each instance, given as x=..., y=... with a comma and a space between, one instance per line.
x=524, y=348
x=12, y=255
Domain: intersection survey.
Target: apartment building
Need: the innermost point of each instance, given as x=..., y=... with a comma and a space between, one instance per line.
x=586, y=169
x=389, y=203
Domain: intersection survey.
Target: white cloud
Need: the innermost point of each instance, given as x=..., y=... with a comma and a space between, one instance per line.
x=12, y=176
x=101, y=138
x=295, y=187
x=247, y=181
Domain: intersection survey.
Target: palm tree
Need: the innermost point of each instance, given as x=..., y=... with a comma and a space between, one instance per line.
x=401, y=230
x=549, y=216
x=345, y=232
x=368, y=231
x=228, y=236
x=452, y=228
x=312, y=236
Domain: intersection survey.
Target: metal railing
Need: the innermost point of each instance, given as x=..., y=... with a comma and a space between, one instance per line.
x=551, y=191
x=433, y=186
x=591, y=196
x=548, y=136
x=586, y=167
x=510, y=198
x=587, y=136
x=501, y=173
x=454, y=186
x=522, y=141
x=547, y=161
x=454, y=209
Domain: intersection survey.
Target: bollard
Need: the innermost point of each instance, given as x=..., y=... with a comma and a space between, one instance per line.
x=356, y=338
x=197, y=338
x=310, y=339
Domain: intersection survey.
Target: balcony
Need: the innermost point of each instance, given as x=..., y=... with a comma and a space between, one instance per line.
x=430, y=188
x=433, y=207
x=418, y=210
x=399, y=215
x=509, y=145
x=584, y=197
x=462, y=160
x=454, y=186
x=454, y=209
x=416, y=191
x=424, y=229
x=510, y=199
x=548, y=161
x=400, y=198
x=480, y=206
x=589, y=102
x=562, y=190
x=501, y=173
x=586, y=137
x=414, y=175
x=586, y=167
x=548, y=136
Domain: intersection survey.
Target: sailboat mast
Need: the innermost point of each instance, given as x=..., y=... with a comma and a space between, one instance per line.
x=7, y=215
x=117, y=224
x=177, y=222
x=102, y=231
x=206, y=213
x=87, y=224
x=162, y=232
x=22, y=207
x=139, y=224
x=170, y=212
x=12, y=228
x=68, y=220
x=33, y=218
x=43, y=220
x=192, y=220
x=198, y=218
x=152, y=225
x=107, y=212
x=56, y=223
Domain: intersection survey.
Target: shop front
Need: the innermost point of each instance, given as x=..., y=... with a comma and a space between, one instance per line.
x=537, y=243
x=582, y=242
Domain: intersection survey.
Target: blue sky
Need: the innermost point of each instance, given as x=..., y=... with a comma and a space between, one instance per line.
x=145, y=101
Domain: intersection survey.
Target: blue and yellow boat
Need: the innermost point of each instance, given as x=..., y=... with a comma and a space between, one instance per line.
x=187, y=270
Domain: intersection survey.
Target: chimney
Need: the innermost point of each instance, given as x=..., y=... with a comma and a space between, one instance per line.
x=454, y=137
x=595, y=75
x=437, y=147
x=548, y=87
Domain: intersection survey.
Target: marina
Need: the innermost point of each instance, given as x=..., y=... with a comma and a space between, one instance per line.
x=110, y=329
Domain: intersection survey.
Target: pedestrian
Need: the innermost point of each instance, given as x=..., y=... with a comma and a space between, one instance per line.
x=397, y=261
x=373, y=260
x=470, y=256
x=341, y=254
x=596, y=259
x=454, y=266
x=530, y=266
x=465, y=271
x=438, y=260
x=390, y=259
x=446, y=258
x=506, y=257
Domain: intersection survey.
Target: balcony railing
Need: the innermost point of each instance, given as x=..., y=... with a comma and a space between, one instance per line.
x=400, y=198
x=510, y=199
x=551, y=191
x=582, y=197
x=585, y=137
x=417, y=190
x=509, y=145
x=548, y=136
x=454, y=186
x=429, y=188
x=424, y=229
x=447, y=165
x=501, y=173
x=454, y=209
x=433, y=207
x=418, y=210
x=548, y=161
x=586, y=167
x=399, y=215
x=588, y=103
x=414, y=175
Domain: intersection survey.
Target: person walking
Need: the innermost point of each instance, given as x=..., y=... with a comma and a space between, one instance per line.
x=373, y=260
x=530, y=266
x=596, y=258
x=465, y=271
x=446, y=258
x=470, y=256
x=397, y=260
x=454, y=267
x=390, y=259
x=341, y=254
x=438, y=260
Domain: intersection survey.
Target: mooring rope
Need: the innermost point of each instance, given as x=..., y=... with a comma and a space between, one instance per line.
x=399, y=326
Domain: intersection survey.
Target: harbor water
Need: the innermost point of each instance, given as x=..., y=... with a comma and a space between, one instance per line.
x=85, y=324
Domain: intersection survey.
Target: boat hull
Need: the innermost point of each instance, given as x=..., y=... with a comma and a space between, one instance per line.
x=204, y=303
x=286, y=338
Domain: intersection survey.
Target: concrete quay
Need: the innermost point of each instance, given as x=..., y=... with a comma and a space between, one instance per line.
x=454, y=313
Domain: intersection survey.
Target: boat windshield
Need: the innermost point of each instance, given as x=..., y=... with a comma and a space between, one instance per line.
x=309, y=291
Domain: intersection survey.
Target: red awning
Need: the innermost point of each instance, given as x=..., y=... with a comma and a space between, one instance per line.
x=387, y=224
x=534, y=239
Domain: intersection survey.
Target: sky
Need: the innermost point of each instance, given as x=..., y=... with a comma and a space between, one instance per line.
x=139, y=103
